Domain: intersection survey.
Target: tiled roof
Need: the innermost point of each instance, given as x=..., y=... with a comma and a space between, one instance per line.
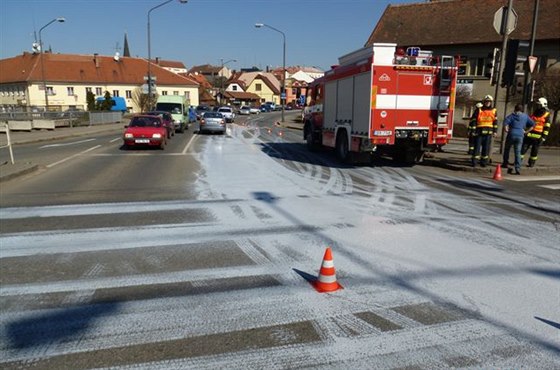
x=241, y=95
x=448, y=22
x=200, y=79
x=169, y=63
x=74, y=68
x=268, y=78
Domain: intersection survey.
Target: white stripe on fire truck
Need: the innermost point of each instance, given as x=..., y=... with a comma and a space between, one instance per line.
x=418, y=102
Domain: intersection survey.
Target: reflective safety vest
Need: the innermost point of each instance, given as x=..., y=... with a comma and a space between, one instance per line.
x=486, y=118
x=540, y=123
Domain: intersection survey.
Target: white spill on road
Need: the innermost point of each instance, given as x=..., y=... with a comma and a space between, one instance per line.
x=431, y=279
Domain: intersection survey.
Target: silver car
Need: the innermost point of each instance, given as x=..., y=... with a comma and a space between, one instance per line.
x=228, y=113
x=213, y=122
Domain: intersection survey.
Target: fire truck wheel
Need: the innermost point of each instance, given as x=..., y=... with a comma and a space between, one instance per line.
x=342, y=147
x=311, y=144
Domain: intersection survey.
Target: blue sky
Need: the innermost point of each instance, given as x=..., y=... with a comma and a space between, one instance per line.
x=199, y=32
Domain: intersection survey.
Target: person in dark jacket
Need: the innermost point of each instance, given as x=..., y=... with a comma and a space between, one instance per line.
x=516, y=125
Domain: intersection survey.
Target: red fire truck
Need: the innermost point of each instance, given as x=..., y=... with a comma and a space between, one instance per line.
x=383, y=99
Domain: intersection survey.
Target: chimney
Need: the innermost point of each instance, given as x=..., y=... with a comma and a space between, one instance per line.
x=95, y=60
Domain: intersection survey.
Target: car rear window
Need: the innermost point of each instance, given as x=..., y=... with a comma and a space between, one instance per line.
x=213, y=115
x=225, y=110
x=145, y=122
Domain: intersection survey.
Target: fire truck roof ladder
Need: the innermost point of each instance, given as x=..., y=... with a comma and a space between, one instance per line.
x=446, y=65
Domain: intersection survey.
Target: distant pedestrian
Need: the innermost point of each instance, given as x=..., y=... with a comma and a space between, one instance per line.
x=485, y=123
x=538, y=134
x=516, y=125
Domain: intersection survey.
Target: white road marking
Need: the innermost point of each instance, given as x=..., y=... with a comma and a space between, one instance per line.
x=72, y=156
x=66, y=144
x=115, y=139
x=534, y=178
x=189, y=144
x=552, y=187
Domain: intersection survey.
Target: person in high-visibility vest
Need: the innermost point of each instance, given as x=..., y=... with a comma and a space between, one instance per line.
x=485, y=125
x=534, y=138
x=471, y=130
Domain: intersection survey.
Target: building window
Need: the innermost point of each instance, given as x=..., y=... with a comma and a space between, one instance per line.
x=187, y=95
x=234, y=88
x=475, y=67
x=88, y=90
x=163, y=93
x=98, y=91
x=128, y=94
x=258, y=87
x=115, y=92
x=70, y=91
x=175, y=92
x=50, y=90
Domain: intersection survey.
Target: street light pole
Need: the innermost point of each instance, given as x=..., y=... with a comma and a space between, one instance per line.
x=59, y=19
x=283, y=92
x=150, y=48
x=222, y=76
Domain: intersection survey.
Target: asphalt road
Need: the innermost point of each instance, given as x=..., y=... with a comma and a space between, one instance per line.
x=198, y=256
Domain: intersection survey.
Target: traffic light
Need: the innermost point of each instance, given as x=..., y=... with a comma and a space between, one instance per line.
x=517, y=52
x=493, y=66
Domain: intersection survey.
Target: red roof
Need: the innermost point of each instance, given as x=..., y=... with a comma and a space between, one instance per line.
x=452, y=22
x=73, y=68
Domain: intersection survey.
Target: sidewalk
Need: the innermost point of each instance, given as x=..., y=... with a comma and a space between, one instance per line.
x=454, y=157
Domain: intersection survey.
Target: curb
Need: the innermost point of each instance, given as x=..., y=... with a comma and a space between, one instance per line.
x=23, y=171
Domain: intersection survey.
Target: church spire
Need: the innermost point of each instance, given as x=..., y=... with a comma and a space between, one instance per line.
x=126, y=51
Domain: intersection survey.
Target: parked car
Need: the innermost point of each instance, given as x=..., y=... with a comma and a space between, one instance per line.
x=245, y=110
x=265, y=108
x=212, y=122
x=167, y=121
x=254, y=110
x=228, y=113
x=145, y=130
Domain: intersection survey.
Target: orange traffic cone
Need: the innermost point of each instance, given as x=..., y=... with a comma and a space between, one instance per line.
x=498, y=173
x=326, y=282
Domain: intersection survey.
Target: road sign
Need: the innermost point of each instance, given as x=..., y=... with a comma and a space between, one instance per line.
x=283, y=96
x=499, y=20
x=532, y=63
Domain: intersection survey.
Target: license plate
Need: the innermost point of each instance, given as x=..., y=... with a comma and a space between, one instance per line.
x=142, y=141
x=382, y=133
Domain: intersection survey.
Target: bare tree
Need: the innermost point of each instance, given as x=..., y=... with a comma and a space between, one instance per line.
x=142, y=100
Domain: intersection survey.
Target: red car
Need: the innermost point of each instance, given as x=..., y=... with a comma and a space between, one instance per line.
x=167, y=121
x=144, y=130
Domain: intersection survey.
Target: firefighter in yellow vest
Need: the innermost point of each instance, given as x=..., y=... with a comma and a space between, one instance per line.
x=484, y=122
x=534, y=138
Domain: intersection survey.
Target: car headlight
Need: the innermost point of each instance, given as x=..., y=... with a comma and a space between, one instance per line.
x=156, y=136
x=176, y=121
x=128, y=135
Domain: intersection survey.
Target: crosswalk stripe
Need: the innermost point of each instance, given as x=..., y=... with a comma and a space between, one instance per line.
x=534, y=178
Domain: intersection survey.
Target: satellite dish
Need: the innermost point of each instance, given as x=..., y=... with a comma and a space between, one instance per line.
x=36, y=47
x=117, y=57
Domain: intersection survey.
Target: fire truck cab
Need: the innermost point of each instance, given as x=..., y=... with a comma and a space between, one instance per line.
x=383, y=99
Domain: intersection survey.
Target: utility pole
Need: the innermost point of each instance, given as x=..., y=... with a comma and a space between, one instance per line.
x=528, y=73
x=501, y=70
